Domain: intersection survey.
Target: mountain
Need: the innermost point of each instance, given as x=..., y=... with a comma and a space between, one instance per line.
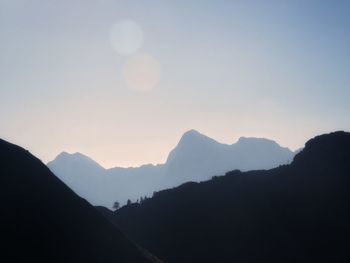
x=198, y=157
x=79, y=171
x=64, y=163
x=42, y=220
x=294, y=213
x=102, y=186
x=195, y=158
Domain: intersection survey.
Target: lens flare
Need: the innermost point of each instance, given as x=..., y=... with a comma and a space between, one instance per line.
x=126, y=37
x=142, y=72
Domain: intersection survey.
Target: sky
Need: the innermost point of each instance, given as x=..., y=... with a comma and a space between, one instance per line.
x=121, y=81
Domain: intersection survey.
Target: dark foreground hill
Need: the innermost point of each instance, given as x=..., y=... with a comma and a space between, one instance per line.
x=42, y=220
x=294, y=213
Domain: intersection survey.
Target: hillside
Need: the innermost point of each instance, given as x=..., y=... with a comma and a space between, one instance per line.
x=42, y=220
x=294, y=213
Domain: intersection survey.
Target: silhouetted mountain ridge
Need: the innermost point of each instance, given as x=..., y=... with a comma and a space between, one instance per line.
x=294, y=213
x=196, y=157
x=42, y=220
x=324, y=150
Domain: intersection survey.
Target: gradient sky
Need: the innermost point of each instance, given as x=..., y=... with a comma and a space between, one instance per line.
x=275, y=69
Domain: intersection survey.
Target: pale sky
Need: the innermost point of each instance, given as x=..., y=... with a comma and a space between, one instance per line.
x=121, y=81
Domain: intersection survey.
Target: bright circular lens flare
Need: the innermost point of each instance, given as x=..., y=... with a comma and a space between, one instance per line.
x=126, y=37
x=142, y=72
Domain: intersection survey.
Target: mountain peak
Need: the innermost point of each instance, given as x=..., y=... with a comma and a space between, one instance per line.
x=193, y=136
x=73, y=156
x=243, y=139
x=192, y=133
x=68, y=159
x=65, y=154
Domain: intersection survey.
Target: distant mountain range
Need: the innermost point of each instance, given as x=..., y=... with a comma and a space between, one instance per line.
x=294, y=213
x=195, y=158
x=298, y=212
x=42, y=220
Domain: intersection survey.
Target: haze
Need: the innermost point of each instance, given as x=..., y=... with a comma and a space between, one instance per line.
x=121, y=81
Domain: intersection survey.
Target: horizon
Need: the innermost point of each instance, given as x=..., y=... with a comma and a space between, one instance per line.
x=165, y=158
x=122, y=81
x=116, y=165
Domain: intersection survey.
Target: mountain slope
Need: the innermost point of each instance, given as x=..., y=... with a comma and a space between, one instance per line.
x=294, y=213
x=42, y=220
x=195, y=158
